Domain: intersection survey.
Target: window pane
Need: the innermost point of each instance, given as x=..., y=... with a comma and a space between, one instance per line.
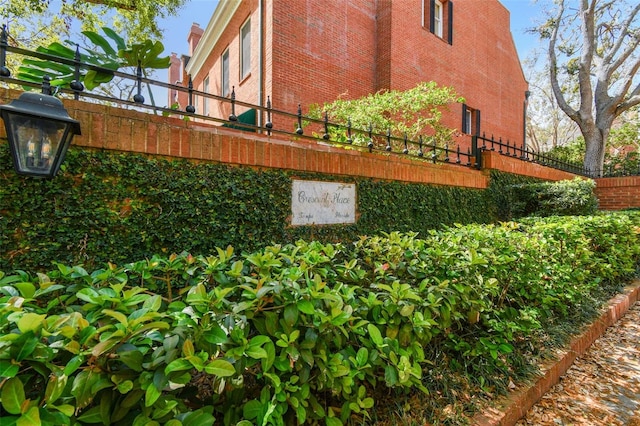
x=205, y=101
x=225, y=73
x=245, y=59
x=438, y=19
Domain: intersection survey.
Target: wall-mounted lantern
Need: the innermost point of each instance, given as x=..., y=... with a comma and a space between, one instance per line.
x=39, y=131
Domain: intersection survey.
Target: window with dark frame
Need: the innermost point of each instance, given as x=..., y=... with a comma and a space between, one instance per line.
x=437, y=16
x=470, y=120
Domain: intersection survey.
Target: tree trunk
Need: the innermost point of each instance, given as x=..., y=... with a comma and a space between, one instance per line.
x=594, y=156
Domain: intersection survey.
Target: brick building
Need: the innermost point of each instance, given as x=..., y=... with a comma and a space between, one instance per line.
x=306, y=52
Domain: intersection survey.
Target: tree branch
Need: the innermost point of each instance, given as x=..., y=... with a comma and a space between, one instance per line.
x=630, y=48
x=116, y=4
x=553, y=68
x=587, y=28
x=633, y=100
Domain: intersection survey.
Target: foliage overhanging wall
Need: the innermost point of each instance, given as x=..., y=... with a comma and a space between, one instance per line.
x=118, y=207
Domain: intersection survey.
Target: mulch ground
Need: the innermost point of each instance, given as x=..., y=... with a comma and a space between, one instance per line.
x=600, y=388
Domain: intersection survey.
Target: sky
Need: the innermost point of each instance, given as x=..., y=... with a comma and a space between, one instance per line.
x=523, y=14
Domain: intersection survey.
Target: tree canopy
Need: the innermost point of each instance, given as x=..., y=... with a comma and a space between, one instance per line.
x=40, y=22
x=594, y=63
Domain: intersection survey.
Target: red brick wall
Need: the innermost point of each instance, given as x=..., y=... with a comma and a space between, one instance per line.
x=492, y=160
x=481, y=65
x=246, y=89
x=107, y=127
x=323, y=52
x=618, y=193
x=315, y=53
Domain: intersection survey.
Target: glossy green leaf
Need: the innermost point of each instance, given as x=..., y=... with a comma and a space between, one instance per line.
x=252, y=409
x=375, y=335
x=333, y=421
x=306, y=307
x=92, y=415
x=55, y=387
x=12, y=395
x=151, y=395
x=24, y=346
x=27, y=290
x=8, y=369
x=30, y=322
x=118, y=316
x=73, y=364
x=30, y=418
x=82, y=385
x=179, y=364
x=65, y=409
x=125, y=386
x=199, y=417
x=291, y=314
x=256, y=352
x=132, y=359
x=220, y=368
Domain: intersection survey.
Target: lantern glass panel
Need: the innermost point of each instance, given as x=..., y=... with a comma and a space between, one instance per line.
x=37, y=142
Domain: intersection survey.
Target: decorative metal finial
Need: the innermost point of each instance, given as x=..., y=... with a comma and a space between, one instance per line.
x=190, y=108
x=138, y=98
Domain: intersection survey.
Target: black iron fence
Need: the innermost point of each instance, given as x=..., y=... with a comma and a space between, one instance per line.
x=483, y=143
x=271, y=120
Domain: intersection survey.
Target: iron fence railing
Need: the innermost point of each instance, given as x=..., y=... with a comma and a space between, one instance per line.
x=279, y=122
x=274, y=122
x=483, y=143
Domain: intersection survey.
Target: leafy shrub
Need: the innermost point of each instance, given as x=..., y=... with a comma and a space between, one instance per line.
x=305, y=332
x=565, y=197
x=412, y=112
x=113, y=207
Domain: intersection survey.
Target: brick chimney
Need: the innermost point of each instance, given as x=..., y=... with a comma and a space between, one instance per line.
x=195, y=34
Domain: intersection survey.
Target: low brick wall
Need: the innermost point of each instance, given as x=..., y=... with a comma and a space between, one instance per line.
x=618, y=193
x=110, y=127
x=493, y=160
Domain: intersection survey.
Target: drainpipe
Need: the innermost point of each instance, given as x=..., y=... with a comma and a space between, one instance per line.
x=260, y=61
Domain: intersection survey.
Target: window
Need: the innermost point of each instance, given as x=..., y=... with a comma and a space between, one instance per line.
x=205, y=100
x=469, y=116
x=467, y=121
x=225, y=73
x=245, y=49
x=439, y=16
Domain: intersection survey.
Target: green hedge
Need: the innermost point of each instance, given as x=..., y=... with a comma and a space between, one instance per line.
x=108, y=206
x=309, y=332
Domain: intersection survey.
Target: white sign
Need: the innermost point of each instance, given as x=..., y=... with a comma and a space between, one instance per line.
x=322, y=203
